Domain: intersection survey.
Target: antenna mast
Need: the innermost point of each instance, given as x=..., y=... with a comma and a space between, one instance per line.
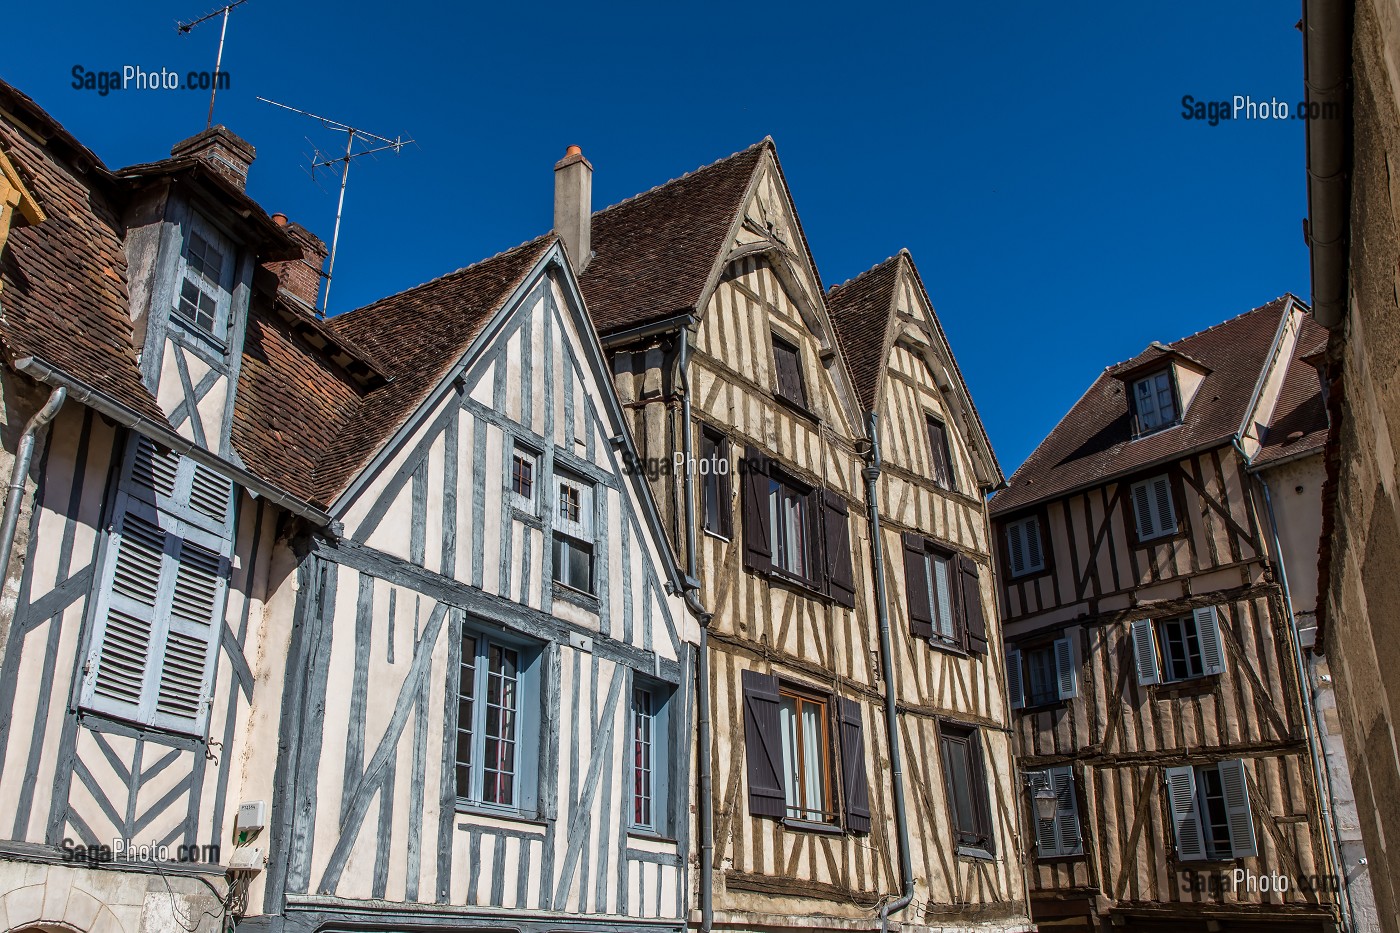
x=184, y=30
x=374, y=142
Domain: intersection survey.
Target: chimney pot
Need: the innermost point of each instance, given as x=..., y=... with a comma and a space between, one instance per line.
x=573, y=206
x=280, y=219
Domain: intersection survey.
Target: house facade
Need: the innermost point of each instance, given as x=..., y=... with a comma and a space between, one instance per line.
x=1163, y=705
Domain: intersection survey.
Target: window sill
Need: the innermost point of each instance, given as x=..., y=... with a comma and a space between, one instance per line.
x=639, y=832
x=1144, y=435
x=526, y=516
x=501, y=813
x=808, y=826
x=188, y=328
x=95, y=721
x=797, y=408
x=792, y=581
x=578, y=597
x=1029, y=575
x=1049, y=706
x=727, y=539
x=972, y=852
x=1193, y=687
x=947, y=647
x=1059, y=859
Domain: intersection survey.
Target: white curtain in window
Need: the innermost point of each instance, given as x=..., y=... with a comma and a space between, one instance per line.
x=811, y=754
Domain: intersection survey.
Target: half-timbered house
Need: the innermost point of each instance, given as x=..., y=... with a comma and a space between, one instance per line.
x=754, y=433
x=1154, y=659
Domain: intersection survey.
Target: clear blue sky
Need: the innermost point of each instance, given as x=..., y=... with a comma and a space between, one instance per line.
x=1031, y=156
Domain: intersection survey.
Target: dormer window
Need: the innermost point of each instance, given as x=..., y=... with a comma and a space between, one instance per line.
x=206, y=281
x=1154, y=402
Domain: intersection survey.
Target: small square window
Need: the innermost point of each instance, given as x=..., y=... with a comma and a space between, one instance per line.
x=787, y=366
x=1154, y=402
x=206, y=281
x=524, y=467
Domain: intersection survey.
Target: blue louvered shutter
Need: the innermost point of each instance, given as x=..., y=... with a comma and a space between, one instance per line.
x=1186, y=819
x=1241, y=821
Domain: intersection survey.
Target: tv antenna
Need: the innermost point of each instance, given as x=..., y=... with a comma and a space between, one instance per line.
x=371, y=142
x=184, y=30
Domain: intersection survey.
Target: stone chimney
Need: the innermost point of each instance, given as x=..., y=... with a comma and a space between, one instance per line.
x=573, y=206
x=300, y=278
x=229, y=154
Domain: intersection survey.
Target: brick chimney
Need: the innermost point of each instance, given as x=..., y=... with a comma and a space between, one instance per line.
x=573, y=206
x=300, y=278
x=229, y=154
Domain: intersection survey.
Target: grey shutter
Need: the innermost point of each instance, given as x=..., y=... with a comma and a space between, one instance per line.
x=941, y=454
x=974, y=621
x=1145, y=652
x=853, y=762
x=916, y=587
x=196, y=598
x=1186, y=820
x=1014, y=685
x=1047, y=842
x=1016, y=548
x=758, y=547
x=1066, y=677
x=763, y=745
x=1035, y=558
x=1066, y=811
x=836, y=538
x=1142, y=511
x=1208, y=632
x=1162, y=498
x=1232, y=779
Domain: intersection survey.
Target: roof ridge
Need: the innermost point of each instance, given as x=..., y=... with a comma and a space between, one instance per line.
x=1172, y=345
x=766, y=141
x=860, y=275
x=446, y=275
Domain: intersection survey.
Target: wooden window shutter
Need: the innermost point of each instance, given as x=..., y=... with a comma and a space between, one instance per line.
x=1142, y=511
x=1145, y=652
x=763, y=745
x=1232, y=780
x=1186, y=820
x=1208, y=632
x=1047, y=842
x=196, y=596
x=1066, y=677
x=1162, y=497
x=941, y=454
x=836, y=537
x=1068, y=838
x=856, y=801
x=787, y=360
x=974, y=621
x=726, y=491
x=1035, y=558
x=1014, y=685
x=1016, y=547
x=916, y=586
x=758, y=548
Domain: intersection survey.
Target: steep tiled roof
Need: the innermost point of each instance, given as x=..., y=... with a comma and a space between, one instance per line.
x=860, y=311
x=1093, y=442
x=63, y=283
x=1299, y=421
x=416, y=336
x=653, y=253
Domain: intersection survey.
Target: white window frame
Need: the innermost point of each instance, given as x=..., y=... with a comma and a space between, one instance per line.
x=1025, y=551
x=1154, y=507
x=574, y=534
x=1061, y=836
x=1192, y=827
x=221, y=291
x=1158, y=383
x=940, y=570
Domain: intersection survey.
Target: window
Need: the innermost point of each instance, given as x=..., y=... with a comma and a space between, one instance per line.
x=944, y=595
x=793, y=737
x=787, y=367
x=1153, y=508
x=573, y=533
x=1154, y=402
x=715, y=493
x=160, y=596
x=651, y=756
x=966, y=784
x=1023, y=548
x=1042, y=675
x=796, y=531
x=206, y=280
x=941, y=454
x=1210, y=811
x=495, y=757
x=1178, y=648
x=524, y=467
x=1059, y=836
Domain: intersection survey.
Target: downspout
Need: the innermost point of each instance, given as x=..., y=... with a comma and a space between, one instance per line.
x=1327, y=31
x=882, y=615
x=702, y=664
x=1320, y=773
x=24, y=454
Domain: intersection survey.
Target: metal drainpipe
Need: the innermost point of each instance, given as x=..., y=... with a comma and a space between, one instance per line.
x=24, y=453
x=1320, y=773
x=882, y=614
x=702, y=665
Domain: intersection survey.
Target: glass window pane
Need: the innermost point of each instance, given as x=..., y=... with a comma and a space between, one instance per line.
x=787, y=728
x=813, y=791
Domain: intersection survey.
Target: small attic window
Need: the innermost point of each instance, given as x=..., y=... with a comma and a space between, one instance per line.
x=1154, y=401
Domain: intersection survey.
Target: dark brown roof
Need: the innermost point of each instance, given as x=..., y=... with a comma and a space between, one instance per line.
x=415, y=336
x=1299, y=421
x=63, y=283
x=653, y=253
x=860, y=312
x=1093, y=442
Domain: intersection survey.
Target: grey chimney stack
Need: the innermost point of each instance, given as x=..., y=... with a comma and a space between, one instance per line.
x=573, y=206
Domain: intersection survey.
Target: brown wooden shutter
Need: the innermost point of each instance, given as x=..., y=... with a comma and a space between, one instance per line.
x=758, y=551
x=916, y=587
x=975, y=624
x=840, y=575
x=763, y=745
x=942, y=454
x=856, y=801
x=726, y=488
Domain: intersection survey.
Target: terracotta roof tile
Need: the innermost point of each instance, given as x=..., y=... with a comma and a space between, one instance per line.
x=1094, y=443
x=1299, y=422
